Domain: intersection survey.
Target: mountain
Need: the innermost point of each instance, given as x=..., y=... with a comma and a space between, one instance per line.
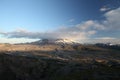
x=55, y=41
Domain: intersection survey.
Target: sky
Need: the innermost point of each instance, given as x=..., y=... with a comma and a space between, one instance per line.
x=79, y=20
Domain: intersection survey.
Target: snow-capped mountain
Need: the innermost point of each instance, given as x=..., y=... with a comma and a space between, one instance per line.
x=55, y=41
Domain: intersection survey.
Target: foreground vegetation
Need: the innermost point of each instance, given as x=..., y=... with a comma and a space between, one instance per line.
x=68, y=63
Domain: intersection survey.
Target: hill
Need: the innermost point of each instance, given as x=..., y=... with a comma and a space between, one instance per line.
x=58, y=62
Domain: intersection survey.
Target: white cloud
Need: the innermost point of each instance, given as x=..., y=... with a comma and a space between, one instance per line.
x=112, y=21
x=84, y=30
x=105, y=38
x=16, y=40
x=90, y=24
x=104, y=8
x=71, y=20
x=92, y=32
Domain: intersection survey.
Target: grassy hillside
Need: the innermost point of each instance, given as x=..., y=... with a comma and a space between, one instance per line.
x=37, y=68
x=53, y=62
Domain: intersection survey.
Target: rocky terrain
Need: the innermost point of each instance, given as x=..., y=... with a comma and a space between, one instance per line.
x=50, y=61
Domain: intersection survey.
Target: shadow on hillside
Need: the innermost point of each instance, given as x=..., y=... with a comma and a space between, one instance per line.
x=14, y=67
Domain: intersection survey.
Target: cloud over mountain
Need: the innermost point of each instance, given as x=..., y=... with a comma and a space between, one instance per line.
x=80, y=31
x=76, y=32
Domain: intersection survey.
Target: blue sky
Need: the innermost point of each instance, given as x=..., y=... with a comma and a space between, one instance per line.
x=27, y=18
